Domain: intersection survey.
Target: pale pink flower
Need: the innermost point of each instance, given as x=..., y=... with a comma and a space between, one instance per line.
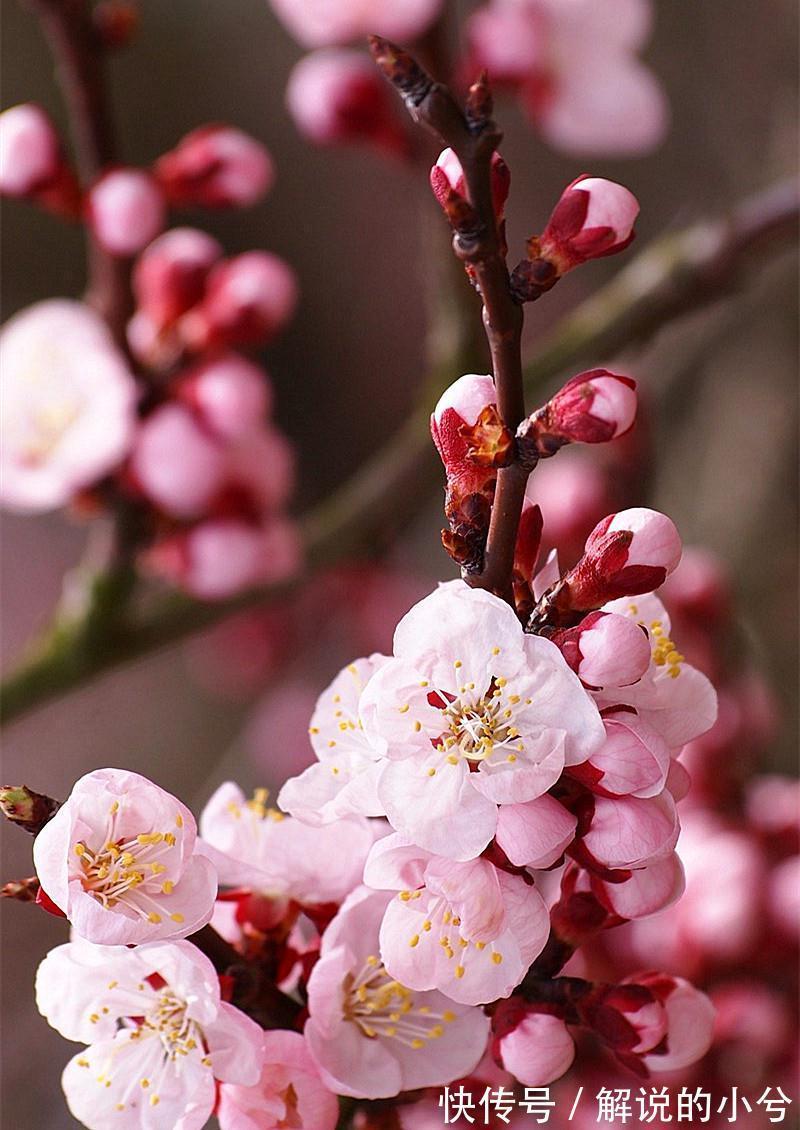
x=219, y=557
x=535, y=834
x=690, y=1021
x=337, y=95
x=257, y=847
x=344, y=781
x=605, y=650
x=538, y=1049
x=248, y=300
x=67, y=404
x=317, y=23
x=649, y=889
x=178, y=465
x=289, y=1093
x=371, y=1036
x=231, y=395
x=467, y=688
x=215, y=166
x=30, y=150
x=673, y=698
x=467, y=929
x=633, y=761
x=629, y=832
x=118, y=858
x=576, y=69
x=158, y=1034
x=126, y=210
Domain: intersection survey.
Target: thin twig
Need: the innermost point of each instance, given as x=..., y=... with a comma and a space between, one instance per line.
x=679, y=273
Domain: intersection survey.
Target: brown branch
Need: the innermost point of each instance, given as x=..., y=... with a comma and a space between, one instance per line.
x=474, y=137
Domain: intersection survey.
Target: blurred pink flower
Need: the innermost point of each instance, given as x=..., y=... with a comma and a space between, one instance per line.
x=215, y=166
x=177, y=464
x=317, y=23
x=575, y=67
x=30, y=150
x=126, y=210
x=118, y=859
x=289, y=1092
x=158, y=1034
x=67, y=404
x=372, y=1037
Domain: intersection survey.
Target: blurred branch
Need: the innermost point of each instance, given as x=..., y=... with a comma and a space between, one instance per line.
x=678, y=273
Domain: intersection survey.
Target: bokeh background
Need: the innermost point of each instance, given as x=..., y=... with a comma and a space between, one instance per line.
x=722, y=388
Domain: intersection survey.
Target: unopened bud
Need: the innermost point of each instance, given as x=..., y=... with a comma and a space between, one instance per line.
x=605, y=650
x=535, y=1046
x=229, y=393
x=125, y=211
x=336, y=96
x=447, y=176
x=215, y=166
x=248, y=300
x=593, y=218
x=32, y=163
x=25, y=808
x=593, y=407
x=628, y=1018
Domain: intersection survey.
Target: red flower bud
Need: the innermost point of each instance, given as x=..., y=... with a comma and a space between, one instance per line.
x=593, y=218
x=593, y=407
x=215, y=166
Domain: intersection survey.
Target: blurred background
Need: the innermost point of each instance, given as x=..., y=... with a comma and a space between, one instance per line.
x=720, y=390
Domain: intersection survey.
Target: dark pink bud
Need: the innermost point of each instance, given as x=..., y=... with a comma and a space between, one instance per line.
x=32, y=164
x=628, y=1018
x=215, y=166
x=594, y=407
x=593, y=218
x=337, y=96
x=125, y=210
x=170, y=275
x=248, y=300
x=447, y=176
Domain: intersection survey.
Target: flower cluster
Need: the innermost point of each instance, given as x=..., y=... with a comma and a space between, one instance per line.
x=171, y=419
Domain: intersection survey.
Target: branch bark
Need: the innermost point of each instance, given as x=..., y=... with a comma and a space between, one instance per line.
x=677, y=274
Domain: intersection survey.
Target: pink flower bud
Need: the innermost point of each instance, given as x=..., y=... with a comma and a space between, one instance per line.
x=627, y=1017
x=337, y=96
x=593, y=407
x=655, y=543
x=537, y=1050
x=125, y=211
x=605, y=650
x=690, y=1022
x=176, y=464
x=30, y=150
x=215, y=166
x=593, y=218
x=633, y=760
x=248, y=300
x=229, y=393
x=448, y=176
x=460, y=405
x=170, y=275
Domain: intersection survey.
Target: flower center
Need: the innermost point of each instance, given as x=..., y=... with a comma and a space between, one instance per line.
x=381, y=1007
x=168, y=1021
x=128, y=870
x=665, y=654
x=477, y=726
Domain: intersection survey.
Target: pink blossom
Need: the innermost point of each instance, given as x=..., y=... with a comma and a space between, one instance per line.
x=467, y=688
x=230, y=394
x=690, y=1021
x=67, y=404
x=118, y=859
x=248, y=300
x=629, y=832
x=535, y=834
x=158, y=1034
x=344, y=780
x=318, y=23
x=371, y=1036
x=633, y=761
x=289, y=1092
x=215, y=166
x=447, y=176
x=30, y=150
x=176, y=463
x=593, y=218
x=593, y=407
x=222, y=556
x=336, y=95
x=672, y=698
x=576, y=70
x=648, y=890
x=258, y=847
x=605, y=650
x=169, y=277
x=538, y=1049
x=126, y=210
x=467, y=929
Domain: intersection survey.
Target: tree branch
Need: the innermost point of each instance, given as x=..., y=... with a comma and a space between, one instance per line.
x=678, y=273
